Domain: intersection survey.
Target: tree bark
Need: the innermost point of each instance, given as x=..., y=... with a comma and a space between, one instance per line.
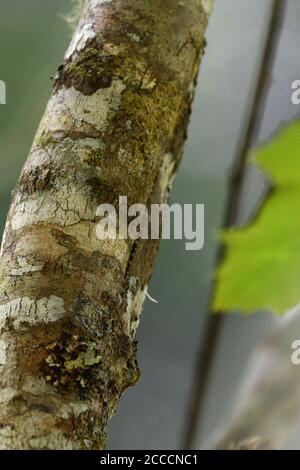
x=69, y=302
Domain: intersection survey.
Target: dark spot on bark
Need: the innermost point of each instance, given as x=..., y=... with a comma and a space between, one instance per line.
x=84, y=364
x=40, y=407
x=104, y=193
x=63, y=239
x=37, y=179
x=7, y=426
x=90, y=86
x=88, y=73
x=71, y=363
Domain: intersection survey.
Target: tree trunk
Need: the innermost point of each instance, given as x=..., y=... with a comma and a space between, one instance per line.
x=70, y=303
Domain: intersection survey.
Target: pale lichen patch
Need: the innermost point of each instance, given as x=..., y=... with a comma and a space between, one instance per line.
x=38, y=158
x=136, y=309
x=208, y=6
x=86, y=235
x=66, y=206
x=80, y=39
x=96, y=3
x=167, y=174
x=37, y=386
x=54, y=440
x=87, y=358
x=134, y=37
x=6, y=433
x=3, y=351
x=72, y=409
x=148, y=81
x=25, y=267
x=88, y=150
x=26, y=311
x=47, y=246
x=135, y=300
x=69, y=108
x=7, y=394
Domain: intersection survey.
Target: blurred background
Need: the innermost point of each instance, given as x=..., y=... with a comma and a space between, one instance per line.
x=33, y=38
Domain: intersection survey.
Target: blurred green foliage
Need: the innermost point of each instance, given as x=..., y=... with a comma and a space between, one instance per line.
x=261, y=269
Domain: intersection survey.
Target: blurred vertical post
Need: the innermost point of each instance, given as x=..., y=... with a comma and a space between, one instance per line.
x=215, y=320
x=267, y=407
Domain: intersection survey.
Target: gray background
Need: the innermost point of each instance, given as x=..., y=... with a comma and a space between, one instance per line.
x=33, y=37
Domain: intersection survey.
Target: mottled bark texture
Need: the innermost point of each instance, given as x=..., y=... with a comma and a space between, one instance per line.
x=70, y=303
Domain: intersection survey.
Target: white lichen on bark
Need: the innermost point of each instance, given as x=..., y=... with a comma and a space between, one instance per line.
x=69, y=302
x=24, y=310
x=208, y=6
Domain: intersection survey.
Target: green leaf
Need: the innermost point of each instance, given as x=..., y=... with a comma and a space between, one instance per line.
x=261, y=268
